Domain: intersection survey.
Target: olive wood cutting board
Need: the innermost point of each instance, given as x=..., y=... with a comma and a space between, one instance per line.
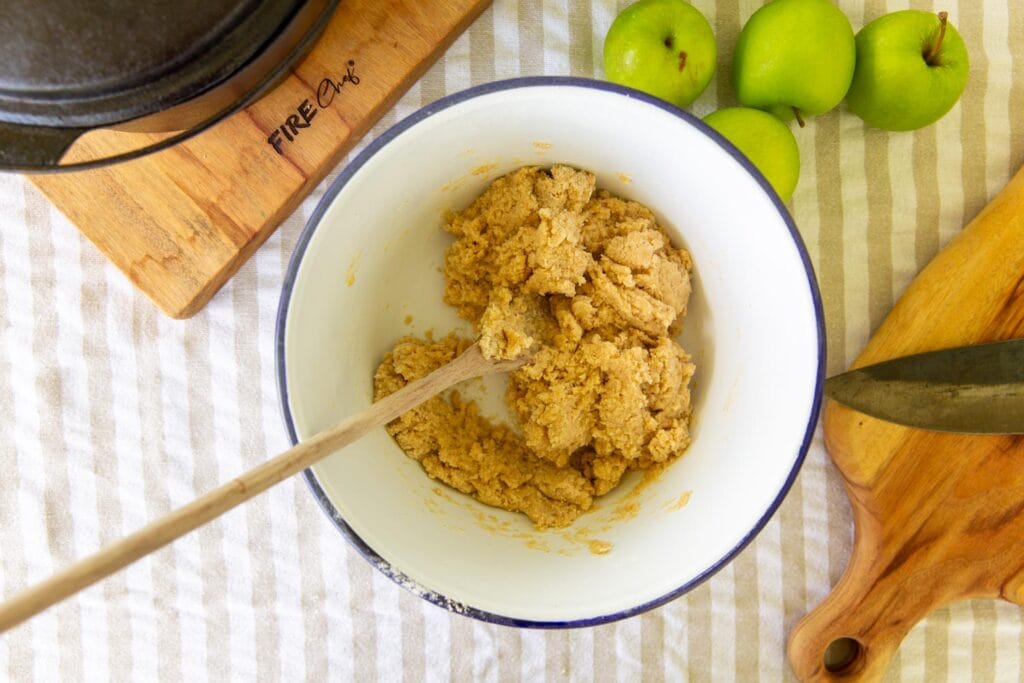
x=938, y=517
x=180, y=222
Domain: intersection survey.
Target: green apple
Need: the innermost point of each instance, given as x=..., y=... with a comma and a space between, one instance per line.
x=663, y=47
x=912, y=67
x=766, y=141
x=794, y=58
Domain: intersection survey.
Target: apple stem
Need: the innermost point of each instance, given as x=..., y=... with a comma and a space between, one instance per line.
x=933, y=51
x=799, y=119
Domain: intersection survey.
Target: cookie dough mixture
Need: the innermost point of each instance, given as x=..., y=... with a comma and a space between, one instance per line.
x=544, y=263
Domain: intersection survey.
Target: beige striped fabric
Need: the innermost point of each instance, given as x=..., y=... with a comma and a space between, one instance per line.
x=111, y=415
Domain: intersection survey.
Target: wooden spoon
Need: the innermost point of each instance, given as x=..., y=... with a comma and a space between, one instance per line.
x=471, y=363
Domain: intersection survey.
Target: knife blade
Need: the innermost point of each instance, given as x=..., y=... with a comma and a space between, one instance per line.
x=976, y=389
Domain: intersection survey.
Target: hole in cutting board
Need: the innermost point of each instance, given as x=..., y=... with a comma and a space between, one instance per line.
x=841, y=655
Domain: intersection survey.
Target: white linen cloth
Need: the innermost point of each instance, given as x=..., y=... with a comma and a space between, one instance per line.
x=111, y=415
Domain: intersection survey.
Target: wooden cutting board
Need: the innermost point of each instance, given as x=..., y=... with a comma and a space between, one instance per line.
x=938, y=517
x=180, y=222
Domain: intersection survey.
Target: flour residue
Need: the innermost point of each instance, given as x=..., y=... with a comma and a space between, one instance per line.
x=680, y=502
x=566, y=543
x=350, y=274
x=628, y=509
x=485, y=168
x=480, y=170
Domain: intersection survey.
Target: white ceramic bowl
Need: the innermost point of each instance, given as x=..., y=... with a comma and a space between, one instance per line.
x=370, y=256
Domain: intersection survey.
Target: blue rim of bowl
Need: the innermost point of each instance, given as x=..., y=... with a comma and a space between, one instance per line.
x=346, y=175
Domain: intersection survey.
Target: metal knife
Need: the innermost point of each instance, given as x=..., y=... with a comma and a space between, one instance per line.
x=975, y=389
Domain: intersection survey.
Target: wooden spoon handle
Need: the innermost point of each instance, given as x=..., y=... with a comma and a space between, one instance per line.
x=208, y=507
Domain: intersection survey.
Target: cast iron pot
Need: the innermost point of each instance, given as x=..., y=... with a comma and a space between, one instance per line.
x=69, y=66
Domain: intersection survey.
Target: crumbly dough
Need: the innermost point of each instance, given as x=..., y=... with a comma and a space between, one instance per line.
x=590, y=285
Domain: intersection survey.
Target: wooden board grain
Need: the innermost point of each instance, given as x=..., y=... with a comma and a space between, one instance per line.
x=938, y=517
x=179, y=223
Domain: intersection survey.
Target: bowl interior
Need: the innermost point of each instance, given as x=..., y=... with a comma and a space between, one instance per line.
x=370, y=273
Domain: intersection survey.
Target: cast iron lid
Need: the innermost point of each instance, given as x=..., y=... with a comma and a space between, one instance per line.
x=88, y=63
